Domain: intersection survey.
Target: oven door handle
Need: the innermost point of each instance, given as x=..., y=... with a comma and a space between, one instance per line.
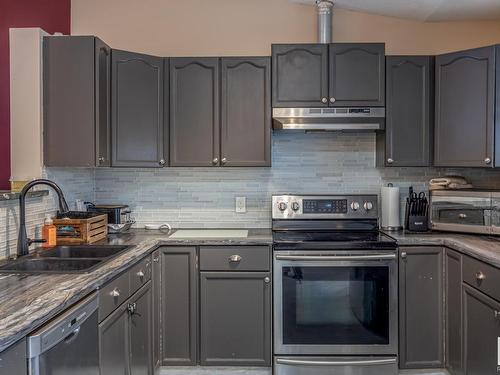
x=335, y=257
x=368, y=362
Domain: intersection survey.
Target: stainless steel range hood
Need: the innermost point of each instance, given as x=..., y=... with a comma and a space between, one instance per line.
x=329, y=119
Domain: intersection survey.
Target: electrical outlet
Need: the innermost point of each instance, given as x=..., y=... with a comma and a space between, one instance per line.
x=241, y=204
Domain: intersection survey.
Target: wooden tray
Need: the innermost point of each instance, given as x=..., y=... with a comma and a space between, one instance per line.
x=81, y=228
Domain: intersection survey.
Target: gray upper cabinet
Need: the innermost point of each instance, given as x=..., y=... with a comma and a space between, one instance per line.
x=76, y=95
x=13, y=360
x=300, y=75
x=407, y=140
x=453, y=312
x=194, y=112
x=246, y=111
x=357, y=74
x=235, y=316
x=421, y=307
x=179, y=305
x=465, y=108
x=138, y=134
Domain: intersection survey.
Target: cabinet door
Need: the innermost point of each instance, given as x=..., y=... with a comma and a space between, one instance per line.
x=409, y=116
x=481, y=332
x=102, y=103
x=246, y=111
x=137, y=102
x=114, y=343
x=357, y=74
x=194, y=112
x=453, y=311
x=13, y=360
x=140, y=308
x=421, y=307
x=235, y=318
x=465, y=94
x=179, y=304
x=300, y=75
x=156, y=285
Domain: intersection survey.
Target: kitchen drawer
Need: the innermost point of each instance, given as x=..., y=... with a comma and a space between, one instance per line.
x=140, y=274
x=113, y=295
x=234, y=258
x=482, y=276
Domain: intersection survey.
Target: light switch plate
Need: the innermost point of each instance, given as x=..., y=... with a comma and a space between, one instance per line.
x=241, y=204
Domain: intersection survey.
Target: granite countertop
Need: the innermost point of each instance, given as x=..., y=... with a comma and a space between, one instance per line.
x=27, y=300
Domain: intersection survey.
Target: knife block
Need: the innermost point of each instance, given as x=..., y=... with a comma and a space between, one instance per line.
x=416, y=223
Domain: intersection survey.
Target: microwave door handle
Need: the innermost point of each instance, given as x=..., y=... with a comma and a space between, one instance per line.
x=335, y=257
x=369, y=362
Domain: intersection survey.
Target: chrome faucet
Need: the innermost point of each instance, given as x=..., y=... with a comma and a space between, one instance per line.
x=23, y=242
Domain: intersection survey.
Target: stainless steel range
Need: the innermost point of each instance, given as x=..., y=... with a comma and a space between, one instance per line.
x=335, y=287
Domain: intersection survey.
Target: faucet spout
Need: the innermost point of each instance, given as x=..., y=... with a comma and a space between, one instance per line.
x=23, y=241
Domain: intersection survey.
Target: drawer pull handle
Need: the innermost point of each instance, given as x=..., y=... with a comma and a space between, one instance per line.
x=115, y=293
x=462, y=216
x=235, y=258
x=497, y=314
x=267, y=280
x=140, y=274
x=156, y=260
x=404, y=255
x=480, y=276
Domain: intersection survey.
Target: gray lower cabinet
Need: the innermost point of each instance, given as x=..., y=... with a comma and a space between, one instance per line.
x=194, y=111
x=245, y=111
x=421, y=343
x=140, y=326
x=407, y=140
x=156, y=305
x=76, y=101
x=481, y=332
x=465, y=108
x=114, y=344
x=139, y=138
x=453, y=312
x=13, y=360
x=235, y=317
x=179, y=305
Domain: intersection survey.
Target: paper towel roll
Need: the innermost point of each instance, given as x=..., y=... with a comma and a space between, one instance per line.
x=390, y=208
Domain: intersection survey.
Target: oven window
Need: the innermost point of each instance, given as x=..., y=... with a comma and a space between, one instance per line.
x=336, y=305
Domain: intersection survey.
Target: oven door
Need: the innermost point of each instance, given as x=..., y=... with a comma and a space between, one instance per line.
x=335, y=303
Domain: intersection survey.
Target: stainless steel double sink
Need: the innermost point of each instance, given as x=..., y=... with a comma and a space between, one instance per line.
x=64, y=259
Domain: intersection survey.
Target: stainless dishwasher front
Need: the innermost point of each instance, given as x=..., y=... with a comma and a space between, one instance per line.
x=68, y=344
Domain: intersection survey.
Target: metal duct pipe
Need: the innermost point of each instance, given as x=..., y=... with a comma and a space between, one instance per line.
x=324, y=20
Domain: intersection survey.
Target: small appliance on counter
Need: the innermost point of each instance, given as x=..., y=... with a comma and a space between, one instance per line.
x=390, y=208
x=119, y=219
x=467, y=211
x=417, y=212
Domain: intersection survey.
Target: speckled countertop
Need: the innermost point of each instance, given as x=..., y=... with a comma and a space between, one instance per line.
x=27, y=300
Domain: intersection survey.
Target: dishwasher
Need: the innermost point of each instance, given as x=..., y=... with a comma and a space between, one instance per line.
x=68, y=344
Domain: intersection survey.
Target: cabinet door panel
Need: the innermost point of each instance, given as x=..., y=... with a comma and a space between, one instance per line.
x=13, y=360
x=194, y=111
x=246, y=111
x=156, y=285
x=465, y=94
x=300, y=75
x=137, y=102
x=140, y=332
x=114, y=343
x=102, y=103
x=409, y=115
x=357, y=74
x=421, y=307
x=453, y=311
x=235, y=318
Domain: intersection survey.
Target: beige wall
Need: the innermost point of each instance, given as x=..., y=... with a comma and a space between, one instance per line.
x=248, y=27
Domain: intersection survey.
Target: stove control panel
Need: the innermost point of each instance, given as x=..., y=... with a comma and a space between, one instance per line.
x=288, y=206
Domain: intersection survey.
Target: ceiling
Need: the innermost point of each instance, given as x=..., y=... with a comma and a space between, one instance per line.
x=424, y=10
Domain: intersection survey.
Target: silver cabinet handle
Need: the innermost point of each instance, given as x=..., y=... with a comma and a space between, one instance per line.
x=299, y=362
x=390, y=161
x=132, y=307
x=156, y=260
x=162, y=162
x=480, y=276
x=235, y=258
x=404, y=255
x=267, y=280
x=324, y=100
x=462, y=216
x=487, y=160
x=101, y=159
x=115, y=293
x=224, y=160
x=215, y=161
x=335, y=257
x=332, y=100
x=140, y=274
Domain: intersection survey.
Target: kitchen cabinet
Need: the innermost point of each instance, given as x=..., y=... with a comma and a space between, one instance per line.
x=320, y=75
x=179, y=305
x=465, y=108
x=407, y=140
x=139, y=132
x=421, y=316
x=481, y=332
x=114, y=343
x=357, y=74
x=245, y=111
x=235, y=317
x=141, y=340
x=453, y=312
x=76, y=101
x=13, y=360
x=194, y=111
x=156, y=286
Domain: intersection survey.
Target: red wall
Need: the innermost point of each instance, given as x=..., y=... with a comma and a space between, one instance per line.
x=50, y=15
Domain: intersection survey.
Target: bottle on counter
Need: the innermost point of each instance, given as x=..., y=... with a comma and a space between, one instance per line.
x=49, y=232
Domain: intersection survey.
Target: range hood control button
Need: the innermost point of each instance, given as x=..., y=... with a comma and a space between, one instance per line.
x=354, y=206
x=368, y=206
x=282, y=206
x=295, y=206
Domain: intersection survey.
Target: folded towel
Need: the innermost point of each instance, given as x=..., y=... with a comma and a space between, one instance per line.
x=449, y=182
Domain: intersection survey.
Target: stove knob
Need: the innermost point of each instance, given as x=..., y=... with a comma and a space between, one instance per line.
x=282, y=206
x=354, y=206
x=295, y=206
x=368, y=206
